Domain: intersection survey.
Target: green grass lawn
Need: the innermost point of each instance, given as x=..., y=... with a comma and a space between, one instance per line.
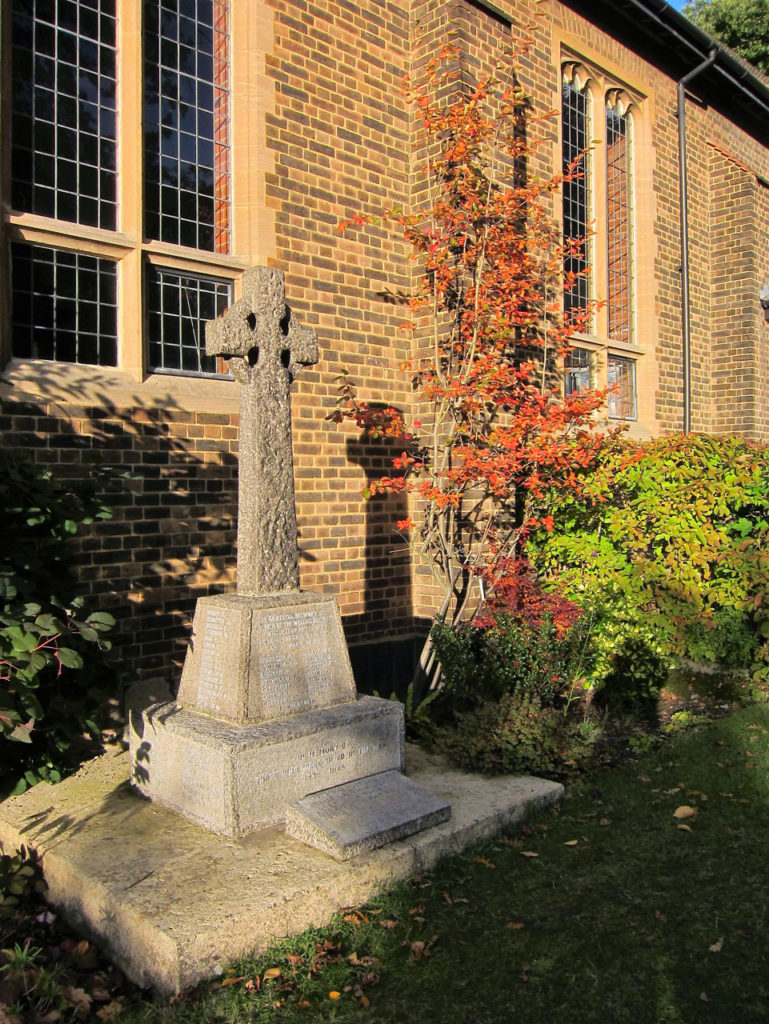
x=609, y=908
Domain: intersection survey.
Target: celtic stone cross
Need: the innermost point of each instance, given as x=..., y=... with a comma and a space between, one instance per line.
x=265, y=348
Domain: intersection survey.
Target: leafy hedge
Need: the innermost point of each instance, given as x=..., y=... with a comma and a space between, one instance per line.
x=669, y=547
x=51, y=648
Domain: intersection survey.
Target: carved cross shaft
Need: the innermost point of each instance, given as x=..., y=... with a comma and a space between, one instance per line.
x=266, y=348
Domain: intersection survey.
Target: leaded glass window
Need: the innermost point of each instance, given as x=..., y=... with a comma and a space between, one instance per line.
x=576, y=192
x=622, y=378
x=576, y=371
x=186, y=123
x=63, y=133
x=64, y=306
x=619, y=219
x=178, y=306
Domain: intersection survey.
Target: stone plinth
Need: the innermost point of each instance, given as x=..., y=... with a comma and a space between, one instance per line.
x=234, y=779
x=258, y=657
x=363, y=815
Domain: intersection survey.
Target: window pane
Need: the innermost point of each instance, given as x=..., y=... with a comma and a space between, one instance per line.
x=619, y=224
x=76, y=92
x=64, y=306
x=622, y=400
x=178, y=306
x=186, y=113
x=576, y=193
x=576, y=371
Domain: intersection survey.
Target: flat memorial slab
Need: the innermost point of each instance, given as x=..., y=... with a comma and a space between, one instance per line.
x=172, y=903
x=363, y=815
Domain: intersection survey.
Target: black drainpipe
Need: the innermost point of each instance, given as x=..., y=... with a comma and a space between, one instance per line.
x=684, y=202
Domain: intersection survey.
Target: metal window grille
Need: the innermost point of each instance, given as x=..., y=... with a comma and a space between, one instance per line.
x=622, y=401
x=186, y=123
x=619, y=224
x=576, y=193
x=178, y=306
x=64, y=306
x=63, y=141
x=576, y=371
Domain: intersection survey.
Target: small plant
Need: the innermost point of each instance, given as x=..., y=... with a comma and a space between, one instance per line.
x=519, y=734
x=512, y=694
x=20, y=877
x=486, y=663
x=51, y=647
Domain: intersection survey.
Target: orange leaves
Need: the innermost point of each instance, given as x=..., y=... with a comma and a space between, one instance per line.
x=495, y=436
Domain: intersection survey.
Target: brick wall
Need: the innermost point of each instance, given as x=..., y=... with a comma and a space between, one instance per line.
x=340, y=141
x=340, y=135
x=171, y=538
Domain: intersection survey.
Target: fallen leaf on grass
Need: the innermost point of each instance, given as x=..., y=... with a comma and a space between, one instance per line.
x=684, y=811
x=231, y=981
x=660, y=916
x=421, y=950
x=447, y=898
x=684, y=828
x=717, y=946
x=485, y=861
x=334, y=994
x=84, y=956
x=515, y=843
x=77, y=998
x=704, y=997
x=355, y=918
x=111, y=1011
x=362, y=961
x=571, y=842
x=270, y=973
x=529, y=853
x=515, y=926
x=604, y=822
x=389, y=923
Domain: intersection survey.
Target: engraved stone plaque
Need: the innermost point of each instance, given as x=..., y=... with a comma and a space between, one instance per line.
x=364, y=814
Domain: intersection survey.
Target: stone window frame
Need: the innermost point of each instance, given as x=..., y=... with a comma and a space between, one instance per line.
x=251, y=224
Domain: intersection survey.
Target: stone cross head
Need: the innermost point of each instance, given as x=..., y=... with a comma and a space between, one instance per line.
x=259, y=332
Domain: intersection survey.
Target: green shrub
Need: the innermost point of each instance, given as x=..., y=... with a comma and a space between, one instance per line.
x=518, y=734
x=51, y=648
x=669, y=546
x=482, y=664
x=508, y=702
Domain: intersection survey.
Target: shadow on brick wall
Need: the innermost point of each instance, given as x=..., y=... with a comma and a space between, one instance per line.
x=172, y=535
x=385, y=665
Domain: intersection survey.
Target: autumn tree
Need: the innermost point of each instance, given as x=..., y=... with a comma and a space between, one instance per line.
x=491, y=433
x=742, y=24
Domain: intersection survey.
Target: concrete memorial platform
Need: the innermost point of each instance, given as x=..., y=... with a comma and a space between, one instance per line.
x=173, y=903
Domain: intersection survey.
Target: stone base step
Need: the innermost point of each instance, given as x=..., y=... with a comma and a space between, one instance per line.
x=365, y=814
